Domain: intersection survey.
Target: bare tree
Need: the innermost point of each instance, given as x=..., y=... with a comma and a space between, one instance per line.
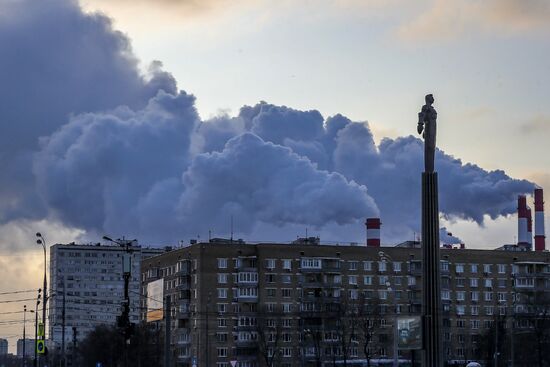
x=269, y=331
x=368, y=319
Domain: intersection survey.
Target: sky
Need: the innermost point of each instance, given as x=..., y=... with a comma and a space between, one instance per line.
x=162, y=120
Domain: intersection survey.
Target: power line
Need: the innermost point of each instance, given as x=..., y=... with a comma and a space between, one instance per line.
x=17, y=292
x=19, y=300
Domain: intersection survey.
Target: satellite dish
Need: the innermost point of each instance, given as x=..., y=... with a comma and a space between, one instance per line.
x=473, y=364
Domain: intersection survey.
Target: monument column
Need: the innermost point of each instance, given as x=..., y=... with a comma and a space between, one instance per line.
x=431, y=306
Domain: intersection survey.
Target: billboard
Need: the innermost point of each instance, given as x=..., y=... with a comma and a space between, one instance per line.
x=155, y=296
x=409, y=332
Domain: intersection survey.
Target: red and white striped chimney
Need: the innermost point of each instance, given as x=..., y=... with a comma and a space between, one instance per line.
x=523, y=219
x=529, y=227
x=373, y=232
x=539, y=221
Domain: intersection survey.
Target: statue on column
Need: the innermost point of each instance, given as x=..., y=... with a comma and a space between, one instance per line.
x=427, y=126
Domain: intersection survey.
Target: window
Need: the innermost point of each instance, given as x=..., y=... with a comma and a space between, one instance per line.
x=270, y=292
x=460, y=310
x=222, y=278
x=487, y=268
x=287, y=307
x=286, y=292
x=222, y=263
x=221, y=337
x=459, y=268
x=475, y=296
x=502, y=283
x=474, y=310
x=222, y=307
x=352, y=279
x=381, y=266
x=473, y=268
x=286, y=279
x=287, y=352
x=474, y=324
x=287, y=264
x=411, y=281
x=309, y=263
x=444, y=265
x=367, y=280
x=397, y=280
x=445, y=295
x=222, y=351
x=367, y=265
x=488, y=296
x=383, y=280
x=247, y=277
x=353, y=265
x=270, y=278
x=473, y=282
x=383, y=294
x=396, y=266
x=247, y=292
x=460, y=323
x=222, y=322
x=489, y=310
x=270, y=307
x=460, y=296
x=287, y=323
x=460, y=282
x=222, y=292
x=488, y=283
x=501, y=268
x=501, y=296
x=270, y=263
x=353, y=294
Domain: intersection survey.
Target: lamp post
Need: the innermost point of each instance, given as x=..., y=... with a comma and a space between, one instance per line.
x=36, y=328
x=42, y=241
x=124, y=320
x=385, y=258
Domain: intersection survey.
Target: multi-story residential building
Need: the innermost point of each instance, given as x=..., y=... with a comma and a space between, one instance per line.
x=306, y=304
x=3, y=347
x=29, y=347
x=90, y=277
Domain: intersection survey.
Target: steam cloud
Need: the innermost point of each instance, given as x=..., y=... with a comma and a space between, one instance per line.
x=129, y=154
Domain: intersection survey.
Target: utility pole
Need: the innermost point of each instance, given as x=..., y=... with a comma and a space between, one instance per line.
x=73, y=357
x=123, y=321
x=167, y=331
x=35, y=363
x=63, y=359
x=24, y=337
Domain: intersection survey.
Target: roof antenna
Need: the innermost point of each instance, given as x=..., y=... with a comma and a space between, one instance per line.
x=231, y=228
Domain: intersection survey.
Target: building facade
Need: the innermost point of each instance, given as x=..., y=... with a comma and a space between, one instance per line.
x=90, y=277
x=29, y=347
x=3, y=347
x=307, y=304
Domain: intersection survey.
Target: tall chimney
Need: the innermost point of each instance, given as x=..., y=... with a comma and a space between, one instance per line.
x=529, y=227
x=373, y=232
x=539, y=221
x=522, y=221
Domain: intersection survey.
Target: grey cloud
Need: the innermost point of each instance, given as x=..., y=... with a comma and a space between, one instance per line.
x=58, y=61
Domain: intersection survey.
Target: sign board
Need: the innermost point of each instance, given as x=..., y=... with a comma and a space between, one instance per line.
x=233, y=363
x=40, y=331
x=409, y=332
x=155, y=296
x=40, y=346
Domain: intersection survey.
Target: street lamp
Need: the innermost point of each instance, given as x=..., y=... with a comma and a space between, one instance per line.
x=385, y=258
x=42, y=241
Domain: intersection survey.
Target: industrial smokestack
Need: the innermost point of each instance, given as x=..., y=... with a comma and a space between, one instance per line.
x=373, y=232
x=529, y=227
x=539, y=221
x=523, y=221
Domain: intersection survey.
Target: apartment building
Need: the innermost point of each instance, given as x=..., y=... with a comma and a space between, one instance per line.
x=90, y=277
x=306, y=304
